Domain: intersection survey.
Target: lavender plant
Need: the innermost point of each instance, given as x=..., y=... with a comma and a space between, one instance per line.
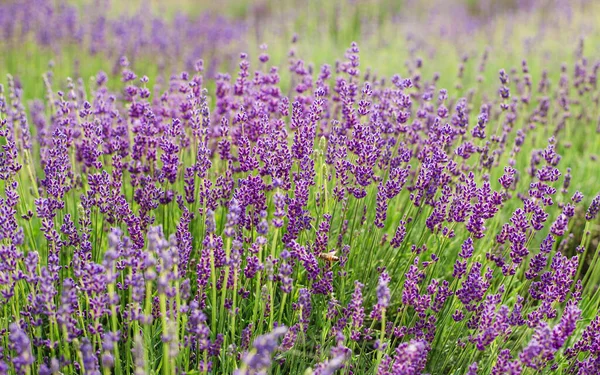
x=307, y=221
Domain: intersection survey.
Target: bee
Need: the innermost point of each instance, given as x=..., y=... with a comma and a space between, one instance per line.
x=329, y=257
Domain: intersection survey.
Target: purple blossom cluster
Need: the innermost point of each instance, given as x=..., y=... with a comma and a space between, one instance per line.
x=348, y=222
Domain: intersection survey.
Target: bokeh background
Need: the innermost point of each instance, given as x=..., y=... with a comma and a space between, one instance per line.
x=169, y=36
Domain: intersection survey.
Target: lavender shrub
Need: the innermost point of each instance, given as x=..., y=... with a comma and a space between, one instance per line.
x=352, y=224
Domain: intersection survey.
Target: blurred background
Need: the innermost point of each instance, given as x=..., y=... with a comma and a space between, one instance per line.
x=81, y=37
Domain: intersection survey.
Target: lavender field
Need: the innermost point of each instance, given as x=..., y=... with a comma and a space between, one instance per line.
x=300, y=187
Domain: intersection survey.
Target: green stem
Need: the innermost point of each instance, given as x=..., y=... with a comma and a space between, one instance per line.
x=165, y=346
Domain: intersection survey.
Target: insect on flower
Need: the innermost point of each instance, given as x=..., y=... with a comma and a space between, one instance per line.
x=329, y=257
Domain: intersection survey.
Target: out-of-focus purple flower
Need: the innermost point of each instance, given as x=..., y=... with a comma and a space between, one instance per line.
x=258, y=359
x=383, y=296
x=472, y=369
x=90, y=361
x=21, y=345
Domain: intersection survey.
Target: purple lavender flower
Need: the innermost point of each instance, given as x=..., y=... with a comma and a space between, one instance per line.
x=593, y=209
x=383, y=296
x=21, y=345
x=356, y=311
x=90, y=361
x=473, y=369
x=258, y=360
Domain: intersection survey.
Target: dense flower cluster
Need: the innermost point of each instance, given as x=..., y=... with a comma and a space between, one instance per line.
x=348, y=223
